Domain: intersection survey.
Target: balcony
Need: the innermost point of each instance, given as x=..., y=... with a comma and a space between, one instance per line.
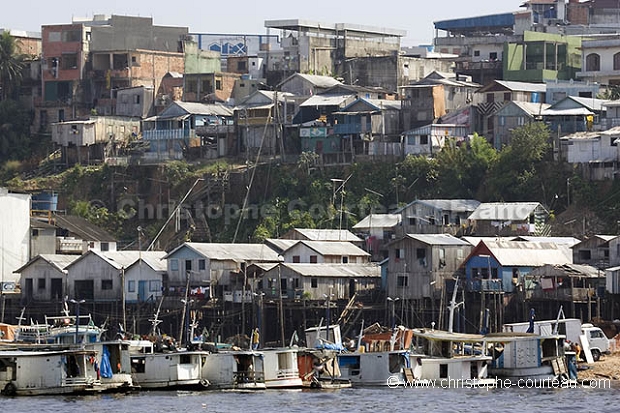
x=348, y=128
x=487, y=285
x=576, y=295
x=168, y=134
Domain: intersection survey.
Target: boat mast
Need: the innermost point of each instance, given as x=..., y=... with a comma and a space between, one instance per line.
x=453, y=305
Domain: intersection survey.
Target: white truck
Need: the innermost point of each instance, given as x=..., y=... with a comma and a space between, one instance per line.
x=572, y=329
x=597, y=340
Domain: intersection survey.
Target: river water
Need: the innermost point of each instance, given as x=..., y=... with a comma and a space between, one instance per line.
x=373, y=400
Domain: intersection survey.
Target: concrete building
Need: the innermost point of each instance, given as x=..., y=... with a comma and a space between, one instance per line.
x=340, y=49
x=14, y=236
x=85, y=62
x=594, y=154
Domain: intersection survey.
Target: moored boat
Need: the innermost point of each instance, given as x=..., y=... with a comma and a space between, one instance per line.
x=235, y=369
x=170, y=369
x=41, y=372
x=281, y=368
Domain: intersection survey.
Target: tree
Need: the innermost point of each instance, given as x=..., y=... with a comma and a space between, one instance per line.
x=15, y=140
x=11, y=65
x=462, y=169
x=515, y=176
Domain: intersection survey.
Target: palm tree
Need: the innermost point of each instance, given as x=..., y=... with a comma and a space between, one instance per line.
x=11, y=64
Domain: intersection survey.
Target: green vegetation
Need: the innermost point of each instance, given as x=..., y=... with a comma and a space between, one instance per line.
x=307, y=194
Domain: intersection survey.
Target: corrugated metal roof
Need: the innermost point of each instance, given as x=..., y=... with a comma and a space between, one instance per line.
x=82, y=228
x=197, y=108
x=455, y=205
x=335, y=248
x=528, y=254
x=523, y=86
x=60, y=261
x=281, y=244
x=499, y=211
x=318, y=80
x=125, y=259
x=438, y=239
x=590, y=103
x=378, y=221
x=567, y=112
x=569, y=241
x=335, y=270
x=315, y=234
x=231, y=252
x=327, y=100
x=476, y=240
x=531, y=108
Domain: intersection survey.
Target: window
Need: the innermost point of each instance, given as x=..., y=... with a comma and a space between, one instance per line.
x=106, y=284
x=131, y=286
x=314, y=283
x=476, y=53
x=188, y=265
x=72, y=36
x=68, y=61
x=105, y=246
x=443, y=371
x=218, y=84
x=313, y=259
x=202, y=264
x=423, y=139
x=241, y=65
x=507, y=97
x=585, y=255
x=154, y=285
x=411, y=140
x=345, y=260
x=402, y=281
x=412, y=221
x=399, y=253
x=493, y=56
x=35, y=232
x=490, y=98
x=420, y=253
x=502, y=121
x=296, y=258
x=593, y=62
x=174, y=265
x=41, y=283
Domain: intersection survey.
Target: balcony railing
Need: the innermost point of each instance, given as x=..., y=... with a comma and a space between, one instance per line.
x=486, y=285
x=560, y=294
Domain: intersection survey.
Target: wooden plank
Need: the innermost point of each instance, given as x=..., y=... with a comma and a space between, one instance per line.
x=585, y=346
x=409, y=377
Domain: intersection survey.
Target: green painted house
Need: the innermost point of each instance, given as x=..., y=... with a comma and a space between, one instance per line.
x=542, y=56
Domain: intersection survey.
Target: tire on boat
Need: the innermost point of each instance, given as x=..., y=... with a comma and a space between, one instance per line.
x=205, y=383
x=10, y=389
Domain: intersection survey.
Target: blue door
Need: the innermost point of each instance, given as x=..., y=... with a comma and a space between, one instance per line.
x=142, y=290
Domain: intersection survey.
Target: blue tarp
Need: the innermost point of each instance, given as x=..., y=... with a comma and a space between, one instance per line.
x=105, y=368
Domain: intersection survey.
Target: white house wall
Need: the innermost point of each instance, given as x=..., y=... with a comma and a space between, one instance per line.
x=93, y=268
x=41, y=270
x=142, y=283
x=14, y=234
